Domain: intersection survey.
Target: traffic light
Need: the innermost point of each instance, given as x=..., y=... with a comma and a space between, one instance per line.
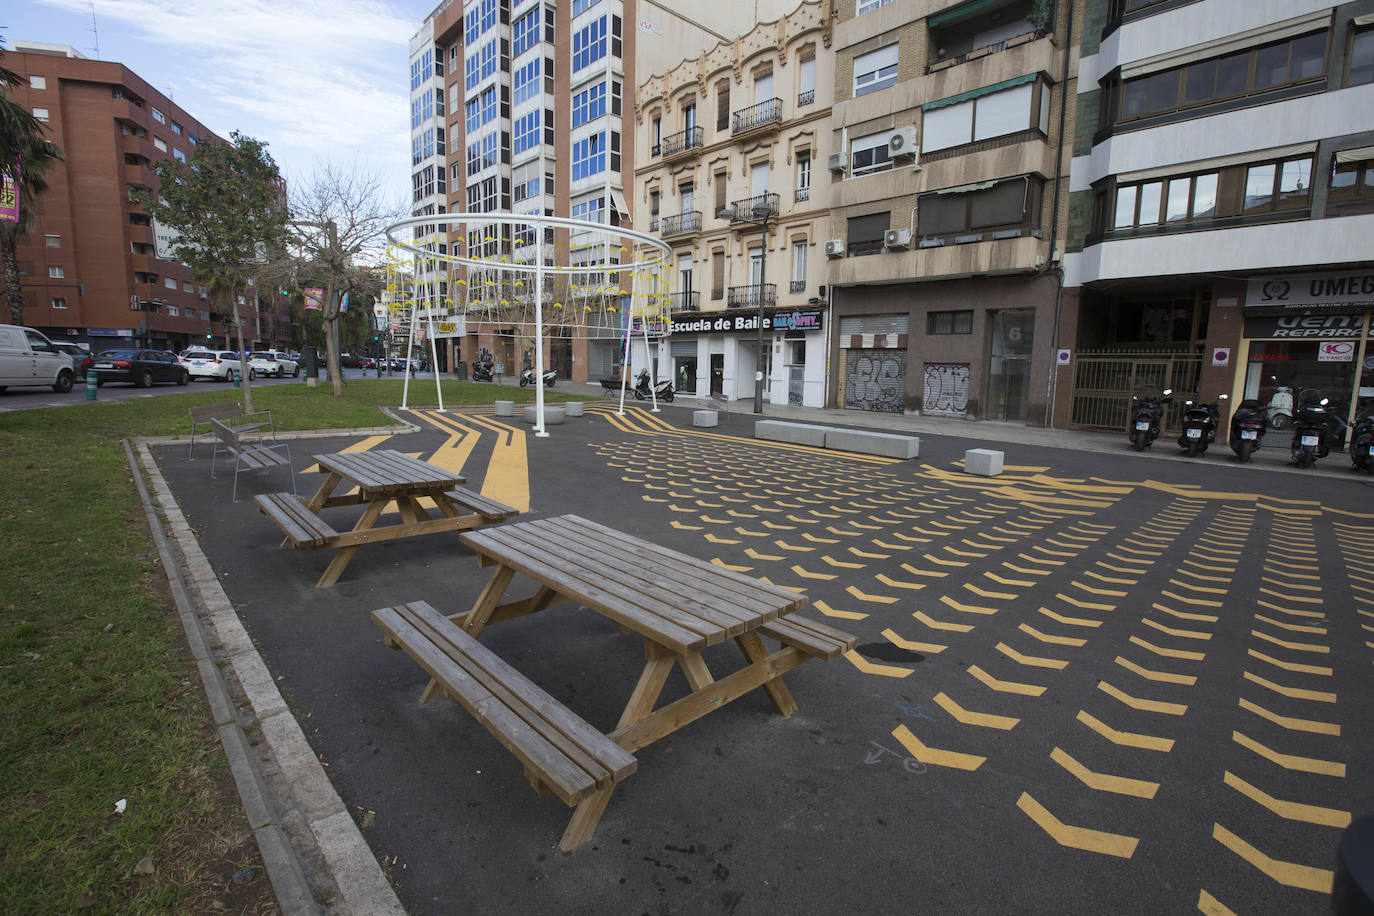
x=208, y=336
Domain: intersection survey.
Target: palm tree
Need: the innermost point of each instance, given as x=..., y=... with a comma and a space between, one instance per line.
x=24, y=156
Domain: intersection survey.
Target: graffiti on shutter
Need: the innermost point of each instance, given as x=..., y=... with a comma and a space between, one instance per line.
x=875, y=380
x=946, y=390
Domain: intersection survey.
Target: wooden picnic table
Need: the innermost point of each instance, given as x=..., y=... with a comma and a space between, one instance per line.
x=679, y=604
x=376, y=479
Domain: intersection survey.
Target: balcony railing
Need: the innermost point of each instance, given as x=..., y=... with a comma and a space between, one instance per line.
x=752, y=209
x=717, y=292
x=803, y=194
x=797, y=286
x=679, y=223
x=806, y=98
x=681, y=142
x=755, y=116
x=751, y=297
x=689, y=301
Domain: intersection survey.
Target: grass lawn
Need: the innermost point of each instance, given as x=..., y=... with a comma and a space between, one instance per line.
x=99, y=697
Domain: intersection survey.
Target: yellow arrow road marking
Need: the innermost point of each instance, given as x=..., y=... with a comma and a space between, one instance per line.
x=1291, y=874
x=933, y=648
x=868, y=667
x=719, y=540
x=1295, y=646
x=1168, y=653
x=1112, y=844
x=1029, y=690
x=928, y=573
x=1293, y=811
x=682, y=527
x=1102, y=782
x=1184, y=615
x=1291, y=627
x=1172, y=709
x=1052, y=640
x=812, y=537
x=810, y=575
x=762, y=556
x=995, y=596
x=1184, y=634
x=841, y=564
x=967, y=608
x=1071, y=621
x=1296, y=693
x=965, y=717
x=1164, y=677
x=1126, y=739
x=1291, y=666
x=898, y=583
x=875, y=599
x=717, y=561
x=1289, y=722
x=934, y=756
x=829, y=611
x=1291, y=761
x=941, y=625
x=1033, y=661
x=886, y=546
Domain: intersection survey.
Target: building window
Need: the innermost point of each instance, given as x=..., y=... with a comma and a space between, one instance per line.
x=589, y=156
x=803, y=175
x=869, y=154
x=798, y=266
x=960, y=322
x=40, y=114
x=868, y=6
x=1278, y=185
x=1351, y=181
x=173, y=311
x=169, y=282
x=176, y=128
x=38, y=82
x=588, y=104
x=589, y=44
x=1359, y=60
x=187, y=287
x=59, y=302
x=52, y=241
x=55, y=272
x=806, y=80
x=875, y=70
x=723, y=105
x=866, y=233
x=178, y=155
x=995, y=114
x=527, y=131
x=581, y=6
x=158, y=116
x=525, y=33
x=525, y=80
x=717, y=275
x=160, y=143
x=1242, y=190
x=1010, y=204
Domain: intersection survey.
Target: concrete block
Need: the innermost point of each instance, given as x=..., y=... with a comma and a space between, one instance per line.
x=505, y=408
x=796, y=433
x=985, y=462
x=553, y=414
x=573, y=408
x=705, y=418
x=868, y=442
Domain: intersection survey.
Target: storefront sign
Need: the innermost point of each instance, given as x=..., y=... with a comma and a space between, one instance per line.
x=451, y=327
x=1340, y=351
x=1305, y=326
x=1312, y=292
x=798, y=320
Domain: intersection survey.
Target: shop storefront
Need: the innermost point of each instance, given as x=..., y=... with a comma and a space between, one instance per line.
x=717, y=354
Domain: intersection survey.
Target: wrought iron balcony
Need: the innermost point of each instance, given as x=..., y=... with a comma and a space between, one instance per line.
x=679, y=223
x=803, y=194
x=797, y=286
x=751, y=297
x=752, y=209
x=806, y=98
x=681, y=142
x=764, y=114
x=689, y=301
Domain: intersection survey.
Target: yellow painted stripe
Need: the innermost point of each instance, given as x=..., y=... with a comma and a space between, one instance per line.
x=1283, y=583
x=1291, y=761
x=867, y=667
x=1208, y=905
x=783, y=545
x=1291, y=666
x=364, y=445
x=1112, y=579
x=982, y=719
x=1293, y=811
x=1197, y=602
x=1198, y=588
x=507, y=478
x=820, y=540
x=1093, y=590
x=1164, y=677
x=1184, y=615
x=874, y=599
x=1296, y=693
x=1300, y=599
x=807, y=574
x=829, y=611
x=1295, y=646
x=886, y=546
x=1028, y=690
x=1171, y=709
x=940, y=624
x=719, y=540
x=934, y=756
x=974, y=554
x=717, y=561
x=1290, y=874
x=1172, y=631
x=1210, y=577
x=1028, y=572
x=766, y=557
x=680, y=526
x=1112, y=844
x=984, y=593
x=1121, y=785
x=1122, y=569
x=930, y=573
x=1086, y=605
x=939, y=562
x=1030, y=559
x=1022, y=583
x=933, y=648
x=1126, y=739
x=1048, y=638
x=1032, y=661
x=1292, y=627
x=1289, y=722
x=1070, y=621
x=1053, y=553
x=841, y=564
x=1168, y=653
x=967, y=608
x=1292, y=612
x=898, y=583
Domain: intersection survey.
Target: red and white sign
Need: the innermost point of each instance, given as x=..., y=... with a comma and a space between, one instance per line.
x=1336, y=351
x=1221, y=356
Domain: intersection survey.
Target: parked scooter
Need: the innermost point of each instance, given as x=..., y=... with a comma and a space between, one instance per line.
x=1200, y=423
x=1248, y=425
x=663, y=391
x=481, y=372
x=1362, y=444
x=1311, y=429
x=1147, y=414
x=1281, y=407
x=527, y=377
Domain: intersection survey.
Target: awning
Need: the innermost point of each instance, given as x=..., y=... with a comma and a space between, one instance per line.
x=985, y=90
x=1238, y=42
x=1219, y=162
x=618, y=202
x=1363, y=154
x=962, y=11
x=965, y=188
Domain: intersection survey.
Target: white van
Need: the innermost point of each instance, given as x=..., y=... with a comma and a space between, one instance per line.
x=29, y=358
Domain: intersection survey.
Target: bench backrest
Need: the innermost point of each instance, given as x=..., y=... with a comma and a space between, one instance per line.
x=212, y=411
x=226, y=434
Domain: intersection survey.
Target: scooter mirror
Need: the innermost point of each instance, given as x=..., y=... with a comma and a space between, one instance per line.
x=1168, y=391
x=1325, y=401
x=1187, y=403
x=1223, y=397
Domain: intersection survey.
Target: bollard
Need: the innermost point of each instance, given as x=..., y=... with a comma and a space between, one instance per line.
x=91, y=385
x=236, y=377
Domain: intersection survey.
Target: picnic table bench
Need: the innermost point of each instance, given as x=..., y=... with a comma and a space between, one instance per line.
x=679, y=604
x=248, y=456
x=381, y=477
x=230, y=413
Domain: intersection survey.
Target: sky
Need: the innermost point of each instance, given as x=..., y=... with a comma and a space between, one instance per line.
x=320, y=82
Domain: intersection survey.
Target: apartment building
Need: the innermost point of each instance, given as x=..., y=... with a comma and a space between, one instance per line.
x=948, y=174
x=95, y=271
x=728, y=145
x=1223, y=202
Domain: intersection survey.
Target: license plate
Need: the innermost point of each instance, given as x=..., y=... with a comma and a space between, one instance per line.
x=1143, y=424
x=1309, y=440
x=1249, y=434
x=104, y=365
x=1194, y=434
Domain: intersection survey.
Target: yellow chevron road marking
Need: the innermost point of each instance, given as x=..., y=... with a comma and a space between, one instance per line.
x=1208, y=905
x=1112, y=844
x=1033, y=661
x=1198, y=588
x=908, y=538
x=507, y=478
x=810, y=575
x=928, y=573
x=1290, y=874
x=777, y=527
x=1030, y=559
x=829, y=611
x=841, y=564
x=1028, y=690
x=868, y=667
x=1289, y=722
x=1184, y=634
x=1172, y=709
x=1296, y=693
x=1291, y=761
x=967, y=608
x=1028, y=572
x=966, y=717
x=1016, y=583
x=681, y=527
x=1113, y=580
x=1168, y=653
x=1086, y=605
x=1093, y=590
x=870, y=556
x=818, y=540
x=1102, y=782
x=750, y=534
x=898, y=583
x=1291, y=627
x=1184, y=615
x=1293, y=811
x=843, y=533
x=1070, y=621
x=1126, y=739
x=886, y=546
x=934, y=756
x=941, y=625
x=875, y=599
x=1295, y=646
x=1164, y=677
x=966, y=553
x=995, y=596
x=783, y=545
x=939, y=562
x=1292, y=612
x=1291, y=666
x=717, y=561
x=719, y=540
x=1048, y=638
x=1223, y=580
x=766, y=557
x=933, y=648
x=1300, y=599
x=1196, y=602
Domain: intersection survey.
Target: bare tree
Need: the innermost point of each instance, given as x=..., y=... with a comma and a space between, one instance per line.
x=338, y=218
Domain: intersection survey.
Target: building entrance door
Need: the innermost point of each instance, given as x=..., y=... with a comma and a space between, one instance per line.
x=1009, y=365
x=718, y=374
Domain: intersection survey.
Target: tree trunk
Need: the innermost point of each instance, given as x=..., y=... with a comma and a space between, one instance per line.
x=244, y=355
x=14, y=293
x=331, y=338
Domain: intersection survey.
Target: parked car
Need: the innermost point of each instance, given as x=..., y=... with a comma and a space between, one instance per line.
x=81, y=357
x=274, y=363
x=366, y=362
x=224, y=365
x=27, y=357
x=141, y=368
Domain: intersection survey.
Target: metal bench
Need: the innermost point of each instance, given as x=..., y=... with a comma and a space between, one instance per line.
x=228, y=412
x=248, y=457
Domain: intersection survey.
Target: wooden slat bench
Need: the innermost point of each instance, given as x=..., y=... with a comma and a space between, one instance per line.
x=248, y=457
x=229, y=413
x=562, y=754
x=809, y=636
x=304, y=529
x=489, y=509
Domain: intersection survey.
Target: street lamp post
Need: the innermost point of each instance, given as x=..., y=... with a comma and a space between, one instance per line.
x=761, y=210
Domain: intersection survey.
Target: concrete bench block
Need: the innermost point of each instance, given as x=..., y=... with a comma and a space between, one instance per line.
x=868, y=442
x=985, y=462
x=573, y=408
x=505, y=408
x=705, y=418
x=795, y=433
x=553, y=414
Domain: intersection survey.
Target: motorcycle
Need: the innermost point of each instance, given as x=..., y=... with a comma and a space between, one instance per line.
x=663, y=391
x=1248, y=425
x=1281, y=407
x=1311, y=429
x=1200, y=423
x=1362, y=444
x=481, y=372
x=527, y=377
x=1146, y=416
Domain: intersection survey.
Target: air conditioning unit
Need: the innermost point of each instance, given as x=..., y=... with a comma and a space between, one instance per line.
x=902, y=143
x=834, y=248
x=896, y=238
x=836, y=162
